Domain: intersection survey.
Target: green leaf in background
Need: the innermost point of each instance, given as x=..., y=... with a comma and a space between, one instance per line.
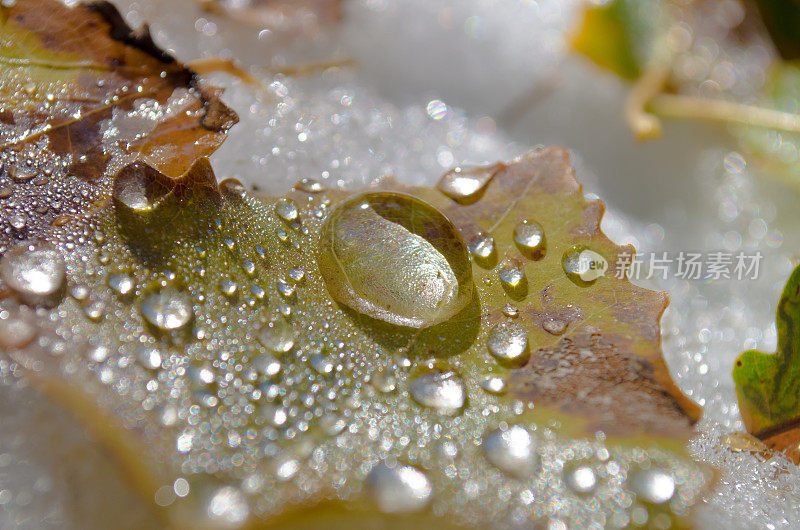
x=620, y=35
x=767, y=383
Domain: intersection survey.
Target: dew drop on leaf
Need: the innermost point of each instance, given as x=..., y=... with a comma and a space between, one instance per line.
x=308, y=185
x=36, y=275
x=398, y=488
x=149, y=357
x=508, y=342
x=166, y=308
x=583, y=265
x=121, y=283
x=277, y=335
x=512, y=451
x=580, y=478
x=229, y=506
x=395, y=258
x=483, y=250
x=512, y=277
x=652, y=485
x=529, y=237
x=466, y=186
x=440, y=388
x=287, y=210
x=494, y=385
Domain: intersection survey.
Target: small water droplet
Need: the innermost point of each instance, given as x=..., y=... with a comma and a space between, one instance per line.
x=321, y=364
x=430, y=279
x=466, y=186
x=36, y=275
x=580, y=478
x=296, y=275
x=16, y=331
x=94, y=309
x=21, y=174
x=308, y=185
x=483, y=250
x=229, y=506
x=439, y=388
x=398, y=488
x=17, y=221
x=228, y=287
x=494, y=385
x=121, y=283
x=510, y=310
x=167, y=308
x=383, y=381
x=249, y=267
x=285, y=289
x=512, y=451
x=508, y=342
x=512, y=277
x=582, y=265
x=554, y=326
x=287, y=210
x=529, y=237
x=149, y=357
x=266, y=365
x=277, y=335
x=652, y=485
x=232, y=187
x=99, y=353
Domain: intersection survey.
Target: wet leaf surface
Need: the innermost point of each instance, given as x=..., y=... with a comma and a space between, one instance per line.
x=81, y=95
x=261, y=399
x=766, y=383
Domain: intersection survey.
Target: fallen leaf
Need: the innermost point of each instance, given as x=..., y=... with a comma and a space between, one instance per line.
x=81, y=95
x=766, y=383
x=228, y=357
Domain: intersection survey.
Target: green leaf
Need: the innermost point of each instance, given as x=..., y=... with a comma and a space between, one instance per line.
x=620, y=35
x=766, y=383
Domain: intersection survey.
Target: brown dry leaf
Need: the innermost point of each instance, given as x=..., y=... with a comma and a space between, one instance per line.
x=67, y=71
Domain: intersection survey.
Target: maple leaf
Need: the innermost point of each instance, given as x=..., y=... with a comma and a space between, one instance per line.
x=766, y=383
x=276, y=360
x=66, y=72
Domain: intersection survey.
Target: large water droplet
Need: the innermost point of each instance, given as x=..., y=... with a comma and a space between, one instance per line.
x=652, y=485
x=395, y=258
x=398, y=488
x=512, y=451
x=582, y=265
x=529, y=237
x=167, y=308
x=36, y=275
x=508, y=342
x=438, y=388
x=466, y=185
x=494, y=385
x=277, y=335
x=16, y=330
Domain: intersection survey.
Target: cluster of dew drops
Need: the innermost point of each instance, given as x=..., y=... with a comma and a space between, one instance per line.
x=37, y=274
